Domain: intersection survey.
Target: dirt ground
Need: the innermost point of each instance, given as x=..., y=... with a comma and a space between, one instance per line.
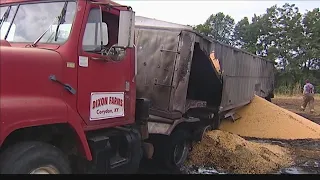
x=293, y=104
x=304, y=150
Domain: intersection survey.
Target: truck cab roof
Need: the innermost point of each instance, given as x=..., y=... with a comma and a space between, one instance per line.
x=20, y=1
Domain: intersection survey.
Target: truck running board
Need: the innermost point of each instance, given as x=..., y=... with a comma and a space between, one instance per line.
x=117, y=161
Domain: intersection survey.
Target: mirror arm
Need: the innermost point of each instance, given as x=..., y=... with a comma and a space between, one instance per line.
x=114, y=47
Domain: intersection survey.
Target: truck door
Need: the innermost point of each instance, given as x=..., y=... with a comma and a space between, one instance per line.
x=103, y=84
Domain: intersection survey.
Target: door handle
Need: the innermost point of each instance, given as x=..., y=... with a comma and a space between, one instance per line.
x=100, y=59
x=66, y=86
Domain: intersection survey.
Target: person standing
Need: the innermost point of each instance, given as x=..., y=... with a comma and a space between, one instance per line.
x=308, y=96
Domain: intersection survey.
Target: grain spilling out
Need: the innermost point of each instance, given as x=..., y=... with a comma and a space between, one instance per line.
x=262, y=119
x=234, y=154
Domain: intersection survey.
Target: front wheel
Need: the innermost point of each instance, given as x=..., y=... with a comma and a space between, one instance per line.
x=33, y=158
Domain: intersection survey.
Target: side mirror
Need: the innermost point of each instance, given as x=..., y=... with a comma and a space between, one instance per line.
x=126, y=29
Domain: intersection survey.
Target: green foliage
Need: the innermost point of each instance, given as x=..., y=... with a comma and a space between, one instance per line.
x=281, y=34
x=291, y=90
x=219, y=27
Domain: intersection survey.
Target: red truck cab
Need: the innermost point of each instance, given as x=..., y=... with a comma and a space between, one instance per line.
x=67, y=71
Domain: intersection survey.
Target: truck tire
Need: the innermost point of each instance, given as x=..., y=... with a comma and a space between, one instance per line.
x=268, y=98
x=216, y=122
x=173, y=151
x=33, y=158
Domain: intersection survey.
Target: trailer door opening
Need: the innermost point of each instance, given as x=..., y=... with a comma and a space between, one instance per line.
x=204, y=82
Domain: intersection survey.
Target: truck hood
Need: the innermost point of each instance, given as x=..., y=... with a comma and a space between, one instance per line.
x=20, y=52
x=27, y=45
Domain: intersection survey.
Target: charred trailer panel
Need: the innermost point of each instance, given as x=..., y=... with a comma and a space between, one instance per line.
x=156, y=54
x=164, y=58
x=244, y=75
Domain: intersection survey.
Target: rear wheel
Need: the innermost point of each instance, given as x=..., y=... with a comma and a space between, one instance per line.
x=173, y=151
x=268, y=98
x=180, y=153
x=216, y=121
x=33, y=158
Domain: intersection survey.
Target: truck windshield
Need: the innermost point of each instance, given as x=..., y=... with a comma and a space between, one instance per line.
x=26, y=22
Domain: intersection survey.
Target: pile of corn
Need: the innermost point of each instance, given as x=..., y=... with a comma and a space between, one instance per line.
x=234, y=154
x=262, y=119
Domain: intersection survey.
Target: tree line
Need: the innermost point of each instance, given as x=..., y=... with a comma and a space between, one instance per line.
x=282, y=34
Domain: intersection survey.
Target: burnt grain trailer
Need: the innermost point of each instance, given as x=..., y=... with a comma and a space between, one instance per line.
x=177, y=71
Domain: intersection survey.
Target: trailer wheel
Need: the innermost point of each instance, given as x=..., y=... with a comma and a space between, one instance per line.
x=33, y=158
x=173, y=151
x=268, y=98
x=216, y=122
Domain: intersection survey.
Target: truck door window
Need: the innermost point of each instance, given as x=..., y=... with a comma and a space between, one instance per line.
x=5, y=22
x=92, y=35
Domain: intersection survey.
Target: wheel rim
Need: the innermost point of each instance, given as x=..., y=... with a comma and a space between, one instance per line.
x=206, y=129
x=180, y=152
x=45, y=170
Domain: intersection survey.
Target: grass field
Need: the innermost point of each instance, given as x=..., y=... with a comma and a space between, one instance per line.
x=293, y=104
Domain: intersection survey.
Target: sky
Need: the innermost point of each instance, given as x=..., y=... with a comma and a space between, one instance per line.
x=196, y=12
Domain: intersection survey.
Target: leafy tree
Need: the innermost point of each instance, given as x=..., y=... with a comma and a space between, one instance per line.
x=310, y=45
x=281, y=34
x=219, y=27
